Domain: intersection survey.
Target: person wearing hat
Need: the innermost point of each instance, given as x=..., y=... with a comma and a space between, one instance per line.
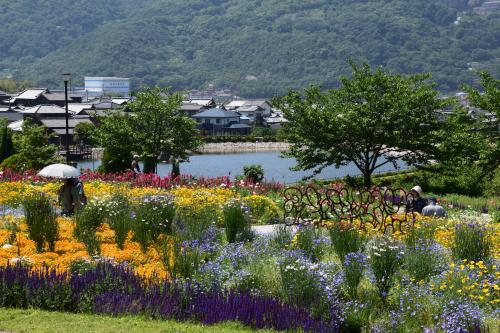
x=135, y=165
x=416, y=202
x=433, y=209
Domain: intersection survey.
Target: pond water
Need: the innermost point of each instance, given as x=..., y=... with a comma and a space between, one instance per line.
x=275, y=167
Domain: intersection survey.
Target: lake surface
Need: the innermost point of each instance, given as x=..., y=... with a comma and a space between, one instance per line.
x=275, y=167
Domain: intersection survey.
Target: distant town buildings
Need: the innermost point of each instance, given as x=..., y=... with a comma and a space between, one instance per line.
x=107, y=86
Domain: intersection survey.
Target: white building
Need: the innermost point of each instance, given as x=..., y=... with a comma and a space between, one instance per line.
x=99, y=86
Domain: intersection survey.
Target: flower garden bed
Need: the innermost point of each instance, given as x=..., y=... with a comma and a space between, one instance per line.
x=174, y=260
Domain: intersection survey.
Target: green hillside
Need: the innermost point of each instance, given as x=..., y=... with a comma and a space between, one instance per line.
x=256, y=48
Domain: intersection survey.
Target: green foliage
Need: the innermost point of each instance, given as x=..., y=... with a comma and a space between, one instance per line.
x=236, y=224
x=299, y=284
x=422, y=259
x=118, y=213
x=386, y=259
x=488, y=125
x=346, y=239
x=9, y=85
x=32, y=147
x=117, y=138
x=354, y=267
x=87, y=220
x=373, y=119
x=181, y=259
x=172, y=43
x=6, y=143
x=253, y=172
x=160, y=129
x=84, y=133
x=308, y=239
x=153, y=217
x=471, y=242
x=40, y=217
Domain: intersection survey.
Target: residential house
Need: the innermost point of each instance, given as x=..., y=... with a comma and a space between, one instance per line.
x=191, y=108
x=58, y=126
x=33, y=97
x=206, y=102
x=44, y=111
x=276, y=120
x=234, y=105
x=219, y=121
x=81, y=108
x=12, y=114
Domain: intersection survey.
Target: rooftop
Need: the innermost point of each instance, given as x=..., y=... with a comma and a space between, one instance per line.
x=216, y=113
x=44, y=109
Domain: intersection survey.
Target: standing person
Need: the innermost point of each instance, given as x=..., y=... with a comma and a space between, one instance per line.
x=135, y=165
x=66, y=197
x=417, y=203
x=433, y=209
x=71, y=196
x=77, y=193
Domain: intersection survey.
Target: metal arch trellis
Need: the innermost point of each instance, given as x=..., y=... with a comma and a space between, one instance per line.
x=378, y=208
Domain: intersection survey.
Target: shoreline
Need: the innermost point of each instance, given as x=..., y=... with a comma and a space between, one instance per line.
x=226, y=147
x=242, y=147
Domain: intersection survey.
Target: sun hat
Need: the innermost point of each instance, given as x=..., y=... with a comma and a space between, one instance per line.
x=417, y=189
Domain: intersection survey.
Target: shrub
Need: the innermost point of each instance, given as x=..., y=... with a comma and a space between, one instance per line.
x=310, y=240
x=262, y=209
x=299, y=285
x=282, y=236
x=423, y=259
x=118, y=217
x=354, y=266
x=345, y=239
x=472, y=242
x=87, y=220
x=253, y=172
x=236, y=224
x=189, y=226
x=153, y=216
x=385, y=259
x=182, y=259
x=41, y=220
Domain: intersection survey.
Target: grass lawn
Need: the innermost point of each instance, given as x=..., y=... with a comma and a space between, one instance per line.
x=13, y=320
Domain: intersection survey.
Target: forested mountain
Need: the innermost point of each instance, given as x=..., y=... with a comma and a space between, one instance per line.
x=255, y=47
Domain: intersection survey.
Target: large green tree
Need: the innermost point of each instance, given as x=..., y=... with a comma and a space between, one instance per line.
x=33, y=150
x=372, y=119
x=161, y=129
x=117, y=138
x=488, y=100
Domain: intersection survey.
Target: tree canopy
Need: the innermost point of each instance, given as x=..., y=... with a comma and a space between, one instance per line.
x=155, y=128
x=374, y=118
x=488, y=100
x=33, y=150
x=161, y=130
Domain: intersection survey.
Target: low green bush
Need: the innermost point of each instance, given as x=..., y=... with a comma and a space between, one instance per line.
x=40, y=217
x=152, y=217
x=236, y=224
x=472, y=242
x=87, y=220
x=345, y=239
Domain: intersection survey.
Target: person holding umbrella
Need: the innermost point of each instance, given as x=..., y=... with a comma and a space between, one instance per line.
x=71, y=194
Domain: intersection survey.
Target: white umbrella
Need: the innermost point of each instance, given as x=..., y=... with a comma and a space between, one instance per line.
x=59, y=171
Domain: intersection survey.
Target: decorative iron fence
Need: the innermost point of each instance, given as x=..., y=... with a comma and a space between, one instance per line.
x=383, y=209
